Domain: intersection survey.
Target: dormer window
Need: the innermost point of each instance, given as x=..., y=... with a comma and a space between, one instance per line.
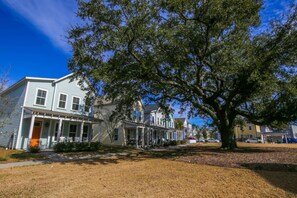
x=41, y=97
x=139, y=116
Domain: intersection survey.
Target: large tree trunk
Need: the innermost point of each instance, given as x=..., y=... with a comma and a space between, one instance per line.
x=228, y=138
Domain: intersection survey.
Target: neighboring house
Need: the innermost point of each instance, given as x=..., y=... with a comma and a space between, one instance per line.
x=293, y=131
x=118, y=129
x=186, y=129
x=141, y=126
x=159, y=125
x=269, y=134
x=46, y=111
x=246, y=131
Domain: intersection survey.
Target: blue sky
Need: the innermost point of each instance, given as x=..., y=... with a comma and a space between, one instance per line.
x=33, y=36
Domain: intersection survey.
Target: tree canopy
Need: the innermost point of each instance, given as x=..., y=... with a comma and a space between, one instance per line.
x=211, y=57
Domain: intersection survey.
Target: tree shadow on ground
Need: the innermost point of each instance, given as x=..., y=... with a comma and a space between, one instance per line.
x=283, y=176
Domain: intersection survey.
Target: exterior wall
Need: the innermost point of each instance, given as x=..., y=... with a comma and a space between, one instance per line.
x=23, y=137
x=101, y=131
x=32, y=93
x=71, y=89
x=12, y=110
x=247, y=131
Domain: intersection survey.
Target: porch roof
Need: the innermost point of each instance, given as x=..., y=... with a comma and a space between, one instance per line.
x=43, y=113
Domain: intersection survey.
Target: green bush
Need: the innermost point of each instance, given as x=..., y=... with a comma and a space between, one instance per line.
x=2, y=159
x=34, y=149
x=76, y=146
x=183, y=142
x=173, y=143
x=94, y=146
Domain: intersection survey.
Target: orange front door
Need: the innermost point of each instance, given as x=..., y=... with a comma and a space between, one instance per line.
x=36, y=134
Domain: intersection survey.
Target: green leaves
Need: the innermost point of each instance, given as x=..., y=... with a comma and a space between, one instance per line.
x=200, y=54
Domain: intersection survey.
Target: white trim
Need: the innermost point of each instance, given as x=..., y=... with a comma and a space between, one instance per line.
x=45, y=101
x=78, y=103
x=49, y=134
x=59, y=101
x=54, y=96
x=64, y=77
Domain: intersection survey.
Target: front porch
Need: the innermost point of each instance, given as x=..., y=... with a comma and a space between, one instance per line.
x=138, y=135
x=44, y=129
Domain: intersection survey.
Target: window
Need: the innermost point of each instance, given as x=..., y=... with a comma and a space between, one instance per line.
x=41, y=96
x=115, y=134
x=250, y=127
x=139, y=116
x=153, y=119
x=85, y=133
x=72, y=132
x=134, y=115
x=75, y=103
x=62, y=101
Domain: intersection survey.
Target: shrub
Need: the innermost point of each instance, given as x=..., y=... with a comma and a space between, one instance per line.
x=173, y=143
x=2, y=159
x=94, y=146
x=76, y=146
x=34, y=149
x=183, y=142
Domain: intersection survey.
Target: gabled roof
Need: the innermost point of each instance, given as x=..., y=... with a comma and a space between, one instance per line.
x=27, y=78
x=151, y=107
x=63, y=78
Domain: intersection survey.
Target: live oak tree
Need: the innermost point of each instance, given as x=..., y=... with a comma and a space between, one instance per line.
x=211, y=57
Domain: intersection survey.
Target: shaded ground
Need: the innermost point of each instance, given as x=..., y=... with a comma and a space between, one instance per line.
x=272, y=157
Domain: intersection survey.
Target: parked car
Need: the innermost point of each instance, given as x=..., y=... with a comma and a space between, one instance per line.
x=213, y=140
x=191, y=140
x=253, y=140
x=201, y=140
x=292, y=140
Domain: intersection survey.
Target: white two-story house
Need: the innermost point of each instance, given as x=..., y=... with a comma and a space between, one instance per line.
x=159, y=125
x=44, y=111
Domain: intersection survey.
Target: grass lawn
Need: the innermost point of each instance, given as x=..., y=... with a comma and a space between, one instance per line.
x=153, y=175
x=8, y=156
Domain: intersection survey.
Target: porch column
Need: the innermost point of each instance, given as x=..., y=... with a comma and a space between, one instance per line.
x=148, y=137
x=286, y=138
x=31, y=130
x=81, y=132
x=142, y=137
x=136, y=138
x=99, y=132
x=125, y=135
x=59, y=130
x=49, y=134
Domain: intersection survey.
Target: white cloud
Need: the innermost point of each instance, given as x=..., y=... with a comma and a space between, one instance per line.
x=51, y=17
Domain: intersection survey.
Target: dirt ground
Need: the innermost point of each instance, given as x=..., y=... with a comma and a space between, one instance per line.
x=156, y=175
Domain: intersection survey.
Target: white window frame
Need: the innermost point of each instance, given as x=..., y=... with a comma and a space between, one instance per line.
x=72, y=103
x=59, y=100
x=36, y=94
